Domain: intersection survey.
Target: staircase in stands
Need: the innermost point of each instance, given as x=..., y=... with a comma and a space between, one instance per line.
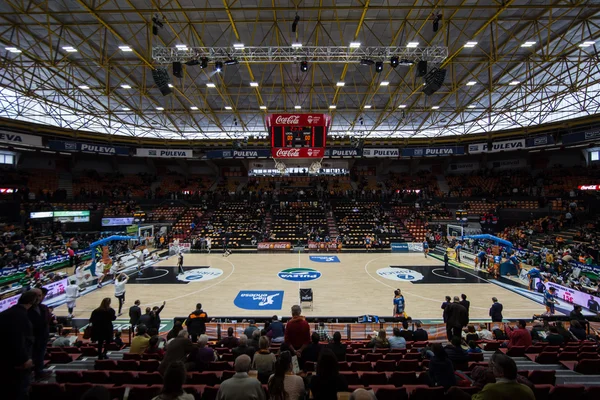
x=65, y=182
x=332, y=225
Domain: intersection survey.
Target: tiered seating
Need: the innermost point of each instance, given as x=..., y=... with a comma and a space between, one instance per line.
x=120, y=208
x=422, y=181
x=165, y=213
x=45, y=181
x=239, y=221
x=192, y=214
x=295, y=224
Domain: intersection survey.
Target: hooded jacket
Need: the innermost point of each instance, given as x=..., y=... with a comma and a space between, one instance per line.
x=196, y=322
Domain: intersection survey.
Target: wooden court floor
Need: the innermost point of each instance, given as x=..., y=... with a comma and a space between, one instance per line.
x=350, y=287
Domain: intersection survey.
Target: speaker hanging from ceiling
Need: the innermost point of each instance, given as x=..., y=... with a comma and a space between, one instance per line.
x=162, y=79
x=177, y=69
x=421, y=68
x=434, y=81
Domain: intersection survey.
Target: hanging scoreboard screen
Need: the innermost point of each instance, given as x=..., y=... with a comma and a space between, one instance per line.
x=306, y=133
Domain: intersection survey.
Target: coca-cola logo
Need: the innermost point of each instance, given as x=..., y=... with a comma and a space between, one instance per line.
x=289, y=120
x=589, y=187
x=287, y=153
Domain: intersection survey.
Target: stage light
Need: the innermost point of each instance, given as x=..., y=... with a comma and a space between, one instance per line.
x=218, y=66
x=304, y=66
x=367, y=61
x=394, y=61
x=378, y=66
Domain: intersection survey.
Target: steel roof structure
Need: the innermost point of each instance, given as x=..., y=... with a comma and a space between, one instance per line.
x=87, y=65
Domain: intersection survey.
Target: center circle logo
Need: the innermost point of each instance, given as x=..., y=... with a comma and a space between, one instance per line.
x=299, y=274
x=200, y=275
x=400, y=274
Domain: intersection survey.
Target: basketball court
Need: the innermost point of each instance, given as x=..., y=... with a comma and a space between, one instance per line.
x=244, y=285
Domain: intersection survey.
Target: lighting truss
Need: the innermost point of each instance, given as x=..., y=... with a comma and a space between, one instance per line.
x=288, y=54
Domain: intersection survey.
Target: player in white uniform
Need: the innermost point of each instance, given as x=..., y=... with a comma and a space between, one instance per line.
x=208, y=244
x=80, y=276
x=71, y=293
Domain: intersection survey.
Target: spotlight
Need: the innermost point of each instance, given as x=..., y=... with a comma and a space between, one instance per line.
x=394, y=61
x=436, y=22
x=218, y=66
x=156, y=25
x=378, y=66
x=304, y=66
x=232, y=61
x=295, y=23
x=367, y=61
x=203, y=62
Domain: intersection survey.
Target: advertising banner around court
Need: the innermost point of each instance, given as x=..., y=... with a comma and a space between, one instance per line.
x=274, y=246
x=20, y=138
x=323, y=246
x=399, y=247
x=258, y=153
x=54, y=289
x=461, y=167
x=175, y=248
x=117, y=221
x=433, y=151
x=570, y=138
x=505, y=145
x=573, y=296
x=341, y=152
x=381, y=153
x=164, y=153
x=60, y=145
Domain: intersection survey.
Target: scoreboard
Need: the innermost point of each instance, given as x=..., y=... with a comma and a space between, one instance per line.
x=305, y=132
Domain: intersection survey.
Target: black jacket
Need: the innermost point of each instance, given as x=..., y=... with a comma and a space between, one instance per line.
x=196, y=322
x=17, y=336
x=457, y=315
x=420, y=335
x=134, y=315
x=40, y=317
x=102, y=327
x=496, y=312
x=466, y=304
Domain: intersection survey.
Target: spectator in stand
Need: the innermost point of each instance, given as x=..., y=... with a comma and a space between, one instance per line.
x=155, y=322
x=102, y=327
x=518, y=336
x=564, y=332
x=456, y=318
x=39, y=316
x=230, y=341
x=141, y=341
x=243, y=348
x=311, y=352
x=577, y=315
x=537, y=331
x=380, y=341
x=173, y=381
x=473, y=348
x=203, y=355
x=455, y=351
x=63, y=340
x=327, y=381
x=148, y=318
x=405, y=332
x=251, y=328
x=297, y=332
x=471, y=334
x=117, y=339
x=173, y=333
x=553, y=337
x=153, y=347
x=322, y=332
x=441, y=369
x=177, y=351
x=283, y=384
x=484, y=333
x=577, y=330
x=506, y=386
x=253, y=342
x=337, y=347
x=241, y=386
x=397, y=341
x=16, y=361
x=263, y=360
x=496, y=310
x=196, y=322
x=276, y=330
x=420, y=334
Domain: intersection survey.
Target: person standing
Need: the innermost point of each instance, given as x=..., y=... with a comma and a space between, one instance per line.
x=180, y=263
x=297, y=332
x=466, y=304
x=496, y=310
x=457, y=250
x=425, y=248
x=102, y=326
x=40, y=319
x=444, y=307
x=241, y=386
x=135, y=313
x=196, y=323
x=550, y=301
x=17, y=335
x=208, y=244
x=80, y=276
x=120, y=282
x=71, y=293
x=399, y=303
x=456, y=319
x=446, y=260
x=283, y=384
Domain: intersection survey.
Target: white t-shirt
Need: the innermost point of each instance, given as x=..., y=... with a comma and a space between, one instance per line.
x=114, y=269
x=71, y=292
x=120, y=287
x=79, y=273
x=208, y=242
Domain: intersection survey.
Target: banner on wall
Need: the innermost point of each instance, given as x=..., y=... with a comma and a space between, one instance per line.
x=337, y=152
x=545, y=140
x=505, y=145
x=592, y=134
x=60, y=145
x=54, y=289
x=459, y=167
x=259, y=153
x=433, y=151
x=507, y=164
x=274, y=246
x=573, y=296
x=384, y=153
x=20, y=138
x=164, y=153
x=323, y=246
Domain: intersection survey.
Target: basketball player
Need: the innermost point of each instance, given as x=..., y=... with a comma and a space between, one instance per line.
x=399, y=303
x=425, y=248
x=550, y=301
x=208, y=244
x=104, y=273
x=367, y=243
x=80, y=276
x=71, y=293
x=226, y=251
x=180, y=263
x=140, y=263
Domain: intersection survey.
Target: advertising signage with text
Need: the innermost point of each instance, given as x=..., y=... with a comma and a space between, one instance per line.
x=505, y=145
x=19, y=138
x=298, y=120
x=59, y=145
x=381, y=153
x=258, y=153
x=274, y=246
x=433, y=151
x=336, y=152
x=164, y=153
x=302, y=152
x=592, y=134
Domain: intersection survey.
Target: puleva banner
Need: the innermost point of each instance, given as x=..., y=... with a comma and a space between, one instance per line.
x=164, y=153
x=20, y=138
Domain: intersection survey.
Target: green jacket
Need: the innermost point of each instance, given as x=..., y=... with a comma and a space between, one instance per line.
x=504, y=391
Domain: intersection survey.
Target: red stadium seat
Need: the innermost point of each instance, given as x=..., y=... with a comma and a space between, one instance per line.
x=46, y=391
x=427, y=393
x=203, y=378
x=562, y=392
x=533, y=349
x=542, y=392
x=95, y=377
x=343, y=366
x=74, y=391
x=149, y=365
x=352, y=378
x=123, y=377
x=374, y=378
x=127, y=365
x=218, y=366
x=144, y=392
x=399, y=379
x=60, y=358
x=408, y=365
x=588, y=367
x=547, y=358
x=354, y=357
x=516, y=351
x=132, y=356
x=149, y=378
x=64, y=376
x=394, y=356
x=592, y=393
x=476, y=357
x=226, y=375
x=412, y=356
x=588, y=356
x=361, y=366
x=385, y=365
x=89, y=351
x=542, y=377
x=372, y=357
x=567, y=356
x=389, y=393
x=227, y=357
x=105, y=365
x=210, y=392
